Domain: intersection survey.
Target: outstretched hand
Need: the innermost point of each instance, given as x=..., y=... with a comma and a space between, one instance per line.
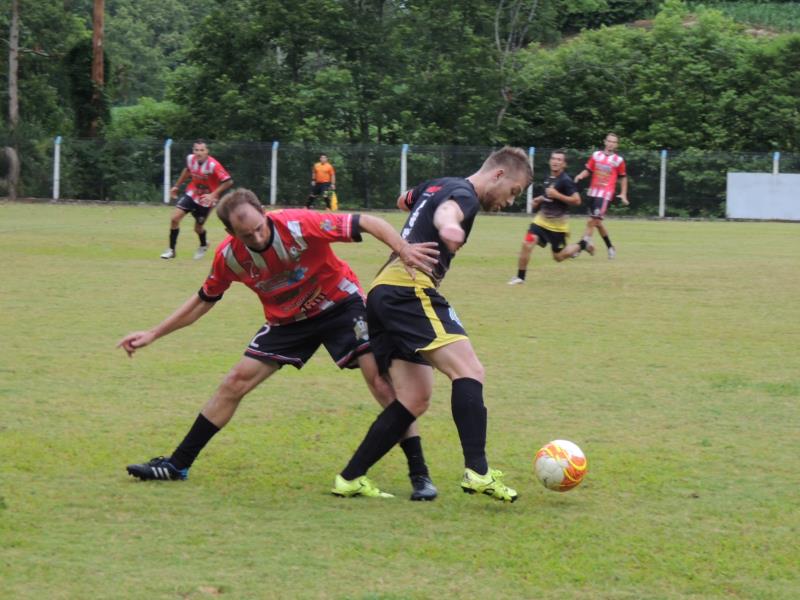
x=422, y=256
x=623, y=198
x=133, y=341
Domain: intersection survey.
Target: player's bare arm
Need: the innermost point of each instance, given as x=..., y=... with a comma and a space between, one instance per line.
x=447, y=220
x=582, y=175
x=188, y=313
x=623, y=190
x=176, y=188
x=423, y=256
x=214, y=196
x=553, y=194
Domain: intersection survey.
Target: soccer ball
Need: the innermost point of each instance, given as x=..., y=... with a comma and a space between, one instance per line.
x=560, y=465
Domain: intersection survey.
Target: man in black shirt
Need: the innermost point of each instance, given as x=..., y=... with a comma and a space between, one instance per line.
x=550, y=225
x=413, y=327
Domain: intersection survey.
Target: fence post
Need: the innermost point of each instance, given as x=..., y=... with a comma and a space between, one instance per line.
x=273, y=175
x=57, y=168
x=529, y=201
x=662, y=186
x=167, y=169
x=404, y=168
x=776, y=163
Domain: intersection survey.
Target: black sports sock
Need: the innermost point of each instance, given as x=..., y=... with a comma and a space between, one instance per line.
x=607, y=240
x=521, y=274
x=469, y=413
x=199, y=435
x=416, y=459
x=173, y=237
x=384, y=433
x=202, y=237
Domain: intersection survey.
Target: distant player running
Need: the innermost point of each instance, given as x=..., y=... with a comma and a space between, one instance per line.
x=605, y=166
x=209, y=180
x=551, y=225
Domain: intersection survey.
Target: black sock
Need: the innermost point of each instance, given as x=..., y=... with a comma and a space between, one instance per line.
x=582, y=244
x=416, y=459
x=469, y=413
x=173, y=237
x=607, y=240
x=199, y=435
x=384, y=433
x=521, y=274
x=202, y=237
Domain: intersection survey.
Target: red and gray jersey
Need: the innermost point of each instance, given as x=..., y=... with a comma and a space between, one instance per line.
x=298, y=276
x=206, y=177
x=605, y=169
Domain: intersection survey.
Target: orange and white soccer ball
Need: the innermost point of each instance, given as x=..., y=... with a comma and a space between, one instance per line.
x=560, y=465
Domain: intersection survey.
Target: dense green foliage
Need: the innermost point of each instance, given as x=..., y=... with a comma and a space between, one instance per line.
x=349, y=73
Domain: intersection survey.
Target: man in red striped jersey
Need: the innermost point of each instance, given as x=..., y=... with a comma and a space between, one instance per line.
x=605, y=167
x=310, y=298
x=208, y=180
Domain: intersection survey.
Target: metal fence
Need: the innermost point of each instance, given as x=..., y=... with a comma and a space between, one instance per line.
x=688, y=183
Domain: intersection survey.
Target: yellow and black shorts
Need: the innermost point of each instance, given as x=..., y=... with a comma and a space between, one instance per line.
x=405, y=320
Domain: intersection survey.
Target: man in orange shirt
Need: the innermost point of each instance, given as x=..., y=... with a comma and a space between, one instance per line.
x=323, y=181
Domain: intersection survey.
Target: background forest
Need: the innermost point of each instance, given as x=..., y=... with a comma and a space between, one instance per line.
x=711, y=77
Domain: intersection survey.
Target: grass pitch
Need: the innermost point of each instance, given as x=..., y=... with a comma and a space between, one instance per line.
x=674, y=367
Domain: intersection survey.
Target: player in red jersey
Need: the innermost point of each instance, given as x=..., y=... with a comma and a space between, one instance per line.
x=209, y=180
x=310, y=298
x=605, y=167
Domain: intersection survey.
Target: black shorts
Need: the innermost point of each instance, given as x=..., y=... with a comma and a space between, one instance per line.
x=556, y=239
x=597, y=207
x=405, y=320
x=342, y=329
x=319, y=189
x=187, y=204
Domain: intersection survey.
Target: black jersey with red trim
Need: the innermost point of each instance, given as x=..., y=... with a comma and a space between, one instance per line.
x=423, y=201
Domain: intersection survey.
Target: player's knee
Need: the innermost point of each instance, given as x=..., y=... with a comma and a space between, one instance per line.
x=530, y=240
x=237, y=383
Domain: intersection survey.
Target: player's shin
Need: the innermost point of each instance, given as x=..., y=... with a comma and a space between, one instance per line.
x=384, y=433
x=469, y=414
x=199, y=435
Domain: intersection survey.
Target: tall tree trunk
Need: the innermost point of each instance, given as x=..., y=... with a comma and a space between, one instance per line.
x=13, y=101
x=97, y=65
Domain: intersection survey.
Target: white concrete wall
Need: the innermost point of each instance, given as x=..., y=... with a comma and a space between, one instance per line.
x=763, y=196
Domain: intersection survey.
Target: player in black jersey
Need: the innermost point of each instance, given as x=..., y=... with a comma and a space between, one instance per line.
x=413, y=328
x=551, y=225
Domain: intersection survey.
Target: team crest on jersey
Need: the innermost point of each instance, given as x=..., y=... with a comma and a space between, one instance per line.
x=326, y=225
x=294, y=251
x=360, y=329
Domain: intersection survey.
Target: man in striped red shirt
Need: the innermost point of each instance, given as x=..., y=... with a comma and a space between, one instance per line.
x=605, y=167
x=310, y=298
x=208, y=180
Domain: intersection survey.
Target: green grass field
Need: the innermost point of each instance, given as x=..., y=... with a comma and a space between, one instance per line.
x=675, y=367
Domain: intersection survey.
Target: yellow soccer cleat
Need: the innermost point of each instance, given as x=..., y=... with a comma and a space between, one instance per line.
x=489, y=484
x=360, y=486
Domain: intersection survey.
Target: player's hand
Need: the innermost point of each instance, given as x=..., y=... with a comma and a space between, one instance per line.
x=422, y=256
x=173, y=192
x=133, y=341
x=623, y=199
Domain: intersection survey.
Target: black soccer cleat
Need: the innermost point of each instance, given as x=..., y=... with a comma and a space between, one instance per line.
x=423, y=488
x=158, y=468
